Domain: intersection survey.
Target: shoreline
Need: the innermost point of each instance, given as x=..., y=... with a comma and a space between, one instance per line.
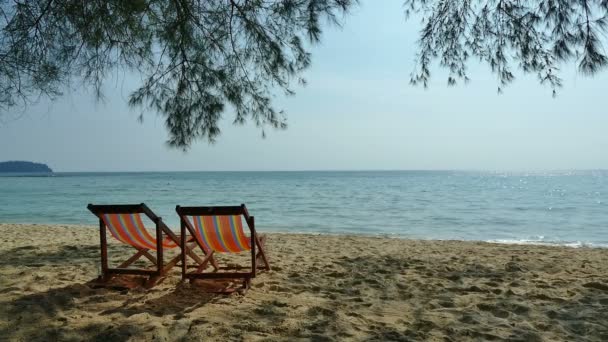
x=329, y=288
x=558, y=244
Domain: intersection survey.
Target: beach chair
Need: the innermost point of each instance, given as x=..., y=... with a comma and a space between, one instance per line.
x=126, y=225
x=220, y=230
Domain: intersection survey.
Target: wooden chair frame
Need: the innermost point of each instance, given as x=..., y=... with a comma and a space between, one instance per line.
x=186, y=227
x=159, y=271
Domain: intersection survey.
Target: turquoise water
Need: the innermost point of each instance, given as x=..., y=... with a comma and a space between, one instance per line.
x=560, y=207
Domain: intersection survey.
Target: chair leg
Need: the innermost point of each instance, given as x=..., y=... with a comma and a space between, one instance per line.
x=177, y=259
x=153, y=281
x=209, y=257
x=190, y=253
x=202, y=266
x=261, y=255
x=227, y=290
x=105, y=278
x=246, y=286
x=134, y=258
x=150, y=257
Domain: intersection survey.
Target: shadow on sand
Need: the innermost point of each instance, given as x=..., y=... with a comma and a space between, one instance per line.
x=64, y=255
x=451, y=302
x=45, y=316
x=348, y=298
x=67, y=313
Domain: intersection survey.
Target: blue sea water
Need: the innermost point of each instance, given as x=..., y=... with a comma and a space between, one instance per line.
x=567, y=208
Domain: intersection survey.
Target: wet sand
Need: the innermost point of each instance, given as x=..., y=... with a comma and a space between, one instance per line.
x=322, y=288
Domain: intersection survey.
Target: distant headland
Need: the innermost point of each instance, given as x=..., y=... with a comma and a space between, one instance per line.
x=23, y=166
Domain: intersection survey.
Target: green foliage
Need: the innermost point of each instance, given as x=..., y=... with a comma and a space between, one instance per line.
x=197, y=58
x=24, y=166
x=534, y=35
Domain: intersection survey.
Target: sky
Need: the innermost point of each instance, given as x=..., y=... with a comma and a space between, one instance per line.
x=357, y=112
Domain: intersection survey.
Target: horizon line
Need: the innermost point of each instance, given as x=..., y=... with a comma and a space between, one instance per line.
x=346, y=170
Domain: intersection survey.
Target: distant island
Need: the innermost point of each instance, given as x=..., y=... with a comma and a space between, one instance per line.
x=24, y=166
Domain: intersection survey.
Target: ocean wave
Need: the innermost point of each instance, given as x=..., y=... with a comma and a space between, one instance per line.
x=538, y=241
x=572, y=244
x=464, y=206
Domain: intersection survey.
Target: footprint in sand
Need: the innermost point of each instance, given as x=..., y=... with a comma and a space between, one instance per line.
x=453, y=277
x=318, y=310
x=277, y=288
x=468, y=319
x=518, y=309
x=405, y=295
x=354, y=314
x=493, y=310
x=9, y=289
x=446, y=304
x=596, y=286
x=336, y=274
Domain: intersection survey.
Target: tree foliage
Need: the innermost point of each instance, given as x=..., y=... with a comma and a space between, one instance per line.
x=535, y=35
x=197, y=58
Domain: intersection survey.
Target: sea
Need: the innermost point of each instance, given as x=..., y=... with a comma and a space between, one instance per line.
x=559, y=207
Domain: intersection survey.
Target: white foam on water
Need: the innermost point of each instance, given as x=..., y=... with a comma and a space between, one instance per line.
x=537, y=241
x=572, y=244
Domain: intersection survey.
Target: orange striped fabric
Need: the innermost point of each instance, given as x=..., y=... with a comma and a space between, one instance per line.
x=130, y=229
x=222, y=233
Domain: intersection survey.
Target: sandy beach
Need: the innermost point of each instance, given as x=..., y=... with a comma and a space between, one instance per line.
x=322, y=288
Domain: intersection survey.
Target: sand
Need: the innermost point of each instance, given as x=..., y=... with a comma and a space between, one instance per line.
x=322, y=288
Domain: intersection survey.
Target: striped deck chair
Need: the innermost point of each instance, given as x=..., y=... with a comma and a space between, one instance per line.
x=220, y=230
x=126, y=225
